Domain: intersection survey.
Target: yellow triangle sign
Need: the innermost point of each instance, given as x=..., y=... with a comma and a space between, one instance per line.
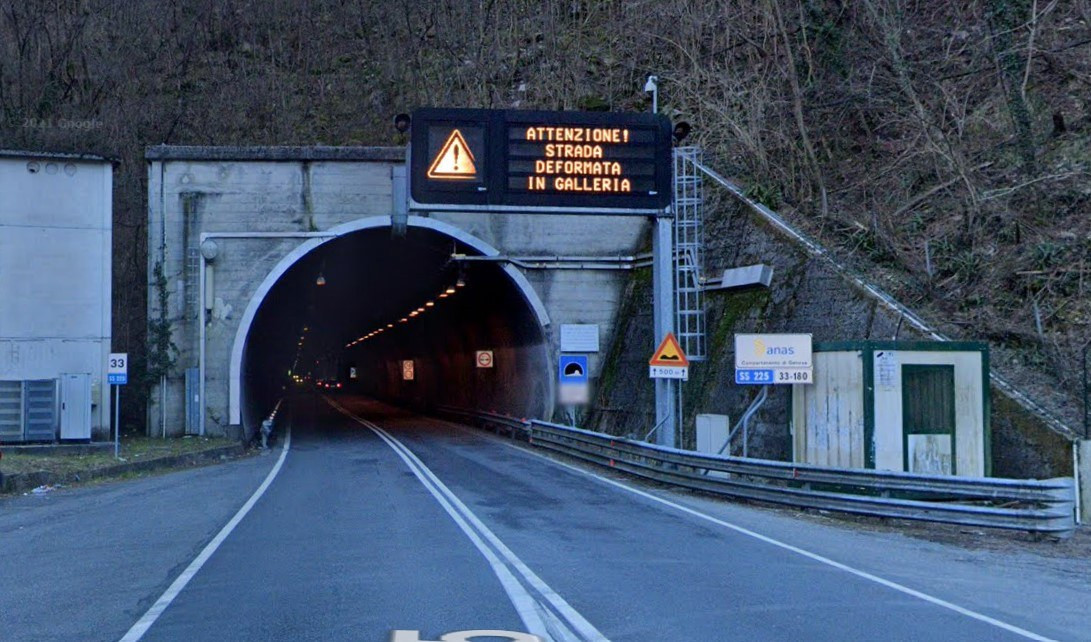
x=455, y=161
x=669, y=353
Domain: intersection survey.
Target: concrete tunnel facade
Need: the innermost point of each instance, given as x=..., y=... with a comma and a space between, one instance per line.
x=260, y=225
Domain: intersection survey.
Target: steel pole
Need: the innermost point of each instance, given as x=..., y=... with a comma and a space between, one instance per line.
x=163, y=404
x=117, y=422
x=201, y=347
x=1086, y=432
x=666, y=412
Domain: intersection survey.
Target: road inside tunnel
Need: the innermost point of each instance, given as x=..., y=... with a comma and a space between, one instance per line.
x=354, y=309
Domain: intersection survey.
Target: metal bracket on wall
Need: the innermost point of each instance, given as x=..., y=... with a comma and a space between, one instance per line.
x=630, y=262
x=399, y=218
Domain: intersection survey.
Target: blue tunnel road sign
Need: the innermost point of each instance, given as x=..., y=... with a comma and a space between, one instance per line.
x=572, y=369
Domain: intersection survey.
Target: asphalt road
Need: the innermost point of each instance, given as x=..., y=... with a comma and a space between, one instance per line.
x=389, y=521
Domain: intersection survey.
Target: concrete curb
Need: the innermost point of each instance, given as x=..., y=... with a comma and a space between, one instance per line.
x=22, y=482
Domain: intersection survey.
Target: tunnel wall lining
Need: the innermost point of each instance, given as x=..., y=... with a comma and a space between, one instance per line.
x=235, y=400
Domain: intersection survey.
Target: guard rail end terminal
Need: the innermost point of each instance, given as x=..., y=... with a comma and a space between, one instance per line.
x=268, y=425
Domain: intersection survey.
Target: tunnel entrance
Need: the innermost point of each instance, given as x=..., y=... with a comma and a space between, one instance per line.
x=354, y=310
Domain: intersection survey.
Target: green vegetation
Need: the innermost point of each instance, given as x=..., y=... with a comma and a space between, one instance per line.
x=133, y=449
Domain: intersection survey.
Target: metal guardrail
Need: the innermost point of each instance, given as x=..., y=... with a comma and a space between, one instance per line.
x=1042, y=506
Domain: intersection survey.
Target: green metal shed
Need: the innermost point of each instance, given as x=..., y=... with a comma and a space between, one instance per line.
x=915, y=406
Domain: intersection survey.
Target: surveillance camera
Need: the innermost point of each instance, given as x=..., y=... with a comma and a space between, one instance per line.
x=402, y=122
x=681, y=130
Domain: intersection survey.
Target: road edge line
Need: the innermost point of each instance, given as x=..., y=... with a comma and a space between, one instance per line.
x=142, y=625
x=891, y=584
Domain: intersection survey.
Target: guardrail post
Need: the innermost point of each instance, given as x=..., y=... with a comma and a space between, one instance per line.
x=1083, y=475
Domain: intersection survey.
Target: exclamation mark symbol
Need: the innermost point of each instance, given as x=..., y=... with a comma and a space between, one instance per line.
x=455, y=150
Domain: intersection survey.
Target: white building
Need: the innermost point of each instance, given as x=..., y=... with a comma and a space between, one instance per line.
x=55, y=255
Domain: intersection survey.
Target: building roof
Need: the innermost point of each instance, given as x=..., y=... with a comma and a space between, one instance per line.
x=274, y=153
x=20, y=153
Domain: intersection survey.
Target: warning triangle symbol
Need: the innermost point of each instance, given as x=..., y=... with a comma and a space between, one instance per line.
x=669, y=353
x=455, y=161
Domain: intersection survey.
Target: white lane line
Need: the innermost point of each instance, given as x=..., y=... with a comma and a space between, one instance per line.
x=901, y=588
x=562, y=622
x=144, y=623
x=584, y=629
x=525, y=604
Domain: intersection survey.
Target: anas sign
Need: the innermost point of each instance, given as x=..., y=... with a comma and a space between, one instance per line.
x=773, y=359
x=540, y=161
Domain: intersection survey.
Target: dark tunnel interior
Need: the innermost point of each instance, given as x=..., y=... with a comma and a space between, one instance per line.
x=337, y=316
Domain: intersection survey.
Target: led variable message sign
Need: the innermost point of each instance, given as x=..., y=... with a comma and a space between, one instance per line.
x=538, y=161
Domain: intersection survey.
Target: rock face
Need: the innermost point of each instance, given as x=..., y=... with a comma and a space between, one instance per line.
x=806, y=295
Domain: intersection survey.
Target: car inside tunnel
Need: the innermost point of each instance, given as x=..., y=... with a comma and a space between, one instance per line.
x=353, y=311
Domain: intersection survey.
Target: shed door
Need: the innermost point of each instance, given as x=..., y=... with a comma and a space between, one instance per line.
x=193, y=401
x=11, y=411
x=928, y=419
x=41, y=409
x=75, y=406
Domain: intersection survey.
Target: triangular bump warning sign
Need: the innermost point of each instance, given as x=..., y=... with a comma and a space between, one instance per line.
x=455, y=161
x=669, y=353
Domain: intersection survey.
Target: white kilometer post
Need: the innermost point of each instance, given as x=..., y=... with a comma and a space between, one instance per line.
x=117, y=375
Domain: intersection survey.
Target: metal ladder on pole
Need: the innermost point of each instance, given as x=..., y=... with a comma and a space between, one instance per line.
x=688, y=253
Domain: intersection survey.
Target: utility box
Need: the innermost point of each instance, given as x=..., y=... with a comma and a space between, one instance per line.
x=712, y=432
x=75, y=406
x=914, y=406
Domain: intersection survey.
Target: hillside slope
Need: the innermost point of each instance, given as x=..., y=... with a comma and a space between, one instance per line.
x=942, y=147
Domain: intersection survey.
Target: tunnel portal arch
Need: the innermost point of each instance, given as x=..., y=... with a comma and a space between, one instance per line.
x=235, y=387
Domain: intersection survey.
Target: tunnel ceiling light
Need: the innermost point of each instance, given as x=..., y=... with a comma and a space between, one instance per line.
x=390, y=325
x=460, y=283
x=450, y=290
x=402, y=320
x=320, y=281
x=443, y=295
x=430, y=304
